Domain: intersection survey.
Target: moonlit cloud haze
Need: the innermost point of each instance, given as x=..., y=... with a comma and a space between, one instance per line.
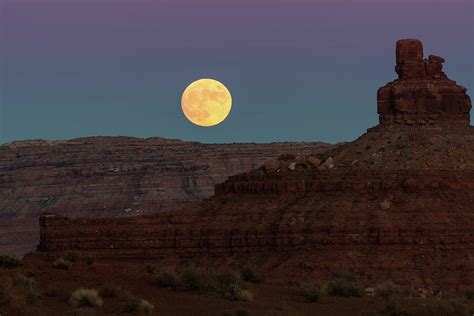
x=297, y=70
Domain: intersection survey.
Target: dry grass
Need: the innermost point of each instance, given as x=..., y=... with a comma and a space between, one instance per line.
x=167, y=279
x=85, y=298
x=18, y=292
x=345, y=284
x=62, y=264
x=27, y=287
x=137, y=305
x=387, y=290
x=109, y=291
x=226, y=285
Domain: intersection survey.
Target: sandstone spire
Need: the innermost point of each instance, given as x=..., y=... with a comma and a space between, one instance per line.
x=422, y=94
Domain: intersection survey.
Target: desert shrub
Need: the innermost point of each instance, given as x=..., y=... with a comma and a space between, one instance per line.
x=387, y=290
x=71, y=256
x=62, y=264
x=137, y=305
x=85, y=298
x=250, y=275
x=345, y=284
x=167, y=279
x=108, y=291
x=369, y=313
x=17, y=292
x=226, y=279
x=344, y=288
x=227, y=285
x=7, y=261
x=441, y=308
x=311, y=291
x=192, y=280
x=243, y=295
x=469, y=294
x=26, y=287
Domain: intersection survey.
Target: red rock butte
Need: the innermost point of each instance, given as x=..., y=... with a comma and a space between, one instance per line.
x=423, y=94
x=395, y=204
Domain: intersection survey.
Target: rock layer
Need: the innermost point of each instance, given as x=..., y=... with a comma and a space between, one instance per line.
x=396, y=204
x=114, y=177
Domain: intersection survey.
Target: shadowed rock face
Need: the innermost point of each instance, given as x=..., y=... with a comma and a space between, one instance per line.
x=114, y=177
x=396, y=204
x=423, y=94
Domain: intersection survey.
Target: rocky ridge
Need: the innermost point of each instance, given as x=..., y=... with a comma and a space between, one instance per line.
x=114, y=177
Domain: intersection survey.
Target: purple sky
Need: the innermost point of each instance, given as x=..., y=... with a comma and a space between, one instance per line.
x=297, y=70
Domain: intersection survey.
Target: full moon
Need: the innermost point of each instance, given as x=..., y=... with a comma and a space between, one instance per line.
x=206, y=102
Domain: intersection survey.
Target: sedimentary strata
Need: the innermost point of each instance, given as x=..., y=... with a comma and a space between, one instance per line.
x=114, y=177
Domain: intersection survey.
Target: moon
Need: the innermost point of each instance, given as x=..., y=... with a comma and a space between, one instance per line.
x=206, y=102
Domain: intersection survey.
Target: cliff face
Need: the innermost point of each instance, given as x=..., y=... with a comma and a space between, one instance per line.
x=114, y=177
x=396, y=204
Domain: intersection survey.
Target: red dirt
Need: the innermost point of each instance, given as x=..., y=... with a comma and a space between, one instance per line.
x=57, y=285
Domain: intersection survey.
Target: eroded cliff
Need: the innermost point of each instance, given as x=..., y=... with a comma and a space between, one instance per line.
x=114, y=177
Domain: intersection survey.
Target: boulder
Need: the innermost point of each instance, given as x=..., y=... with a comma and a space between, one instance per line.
x=313, y=161
x=272, y=165
x=329, y=163
x=435, y=59
x=299, y=160
x=385, y=204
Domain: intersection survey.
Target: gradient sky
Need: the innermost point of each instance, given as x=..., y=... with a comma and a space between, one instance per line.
x=297, y=70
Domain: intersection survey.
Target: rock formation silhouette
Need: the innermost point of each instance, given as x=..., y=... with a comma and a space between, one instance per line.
x=422, y=94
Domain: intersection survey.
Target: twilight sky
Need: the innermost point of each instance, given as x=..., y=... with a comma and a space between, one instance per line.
x=297, y=70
